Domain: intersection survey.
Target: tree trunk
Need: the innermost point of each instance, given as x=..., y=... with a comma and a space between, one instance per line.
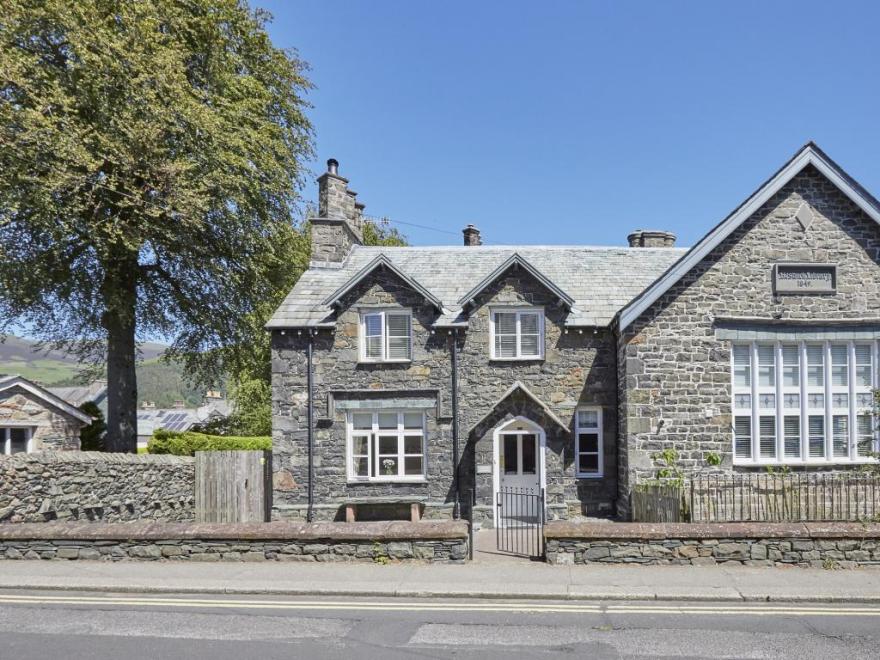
x=120, y=299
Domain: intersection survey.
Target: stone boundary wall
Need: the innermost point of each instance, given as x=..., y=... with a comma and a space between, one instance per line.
x=440, y=542
x=815, y=545
x=95, y=486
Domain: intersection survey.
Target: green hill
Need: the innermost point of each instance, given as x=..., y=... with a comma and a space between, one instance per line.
x=157, y=380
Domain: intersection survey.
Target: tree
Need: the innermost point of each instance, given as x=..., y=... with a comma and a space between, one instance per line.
x=150, y=158
x=249, y=363
x=91, y=437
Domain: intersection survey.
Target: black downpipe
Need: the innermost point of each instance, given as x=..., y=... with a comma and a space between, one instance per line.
x=311, y=434
x=456, y=506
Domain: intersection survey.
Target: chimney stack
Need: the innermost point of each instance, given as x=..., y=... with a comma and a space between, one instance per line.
x=472, y=236
x=651, y=238
x=339, y=224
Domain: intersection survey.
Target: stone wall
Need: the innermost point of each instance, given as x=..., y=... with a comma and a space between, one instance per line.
x=93, y=486
x=440, y=542
x=578, y=369
x=816, y=545
x=50, y=428
x=674, y=374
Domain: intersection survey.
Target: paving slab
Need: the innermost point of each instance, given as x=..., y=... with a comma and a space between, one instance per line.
x=522, y=580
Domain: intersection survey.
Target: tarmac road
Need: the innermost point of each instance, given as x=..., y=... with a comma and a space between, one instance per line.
x=39, y=625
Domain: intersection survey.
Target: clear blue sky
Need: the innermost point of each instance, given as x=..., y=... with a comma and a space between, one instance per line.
x=576, y=122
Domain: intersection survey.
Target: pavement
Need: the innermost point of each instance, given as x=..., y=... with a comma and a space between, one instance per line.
x=496, y=578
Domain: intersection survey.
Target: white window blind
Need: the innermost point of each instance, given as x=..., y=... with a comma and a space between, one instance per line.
x=517, y=334
x=803, y=402
x=386, y=336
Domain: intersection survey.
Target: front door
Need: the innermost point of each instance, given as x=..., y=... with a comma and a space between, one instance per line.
x=519, y=462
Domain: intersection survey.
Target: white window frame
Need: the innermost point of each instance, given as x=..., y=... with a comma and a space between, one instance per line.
x=578, y=429
x=6, y=439
x=827, y=411
x=362, y=334
x=374, y=470
x=519, y=311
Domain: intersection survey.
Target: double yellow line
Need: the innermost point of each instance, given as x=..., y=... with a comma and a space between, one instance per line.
x=537, y=607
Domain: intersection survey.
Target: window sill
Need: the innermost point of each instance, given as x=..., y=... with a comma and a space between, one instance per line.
x=384, y=362
x=807, y=463
x=538, y=358
x=590, y=475
x=393, y=480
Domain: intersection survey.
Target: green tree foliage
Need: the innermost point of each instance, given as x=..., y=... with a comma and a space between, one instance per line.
x=250, y=372
x=150, y=158
x=188, y=443
x=91, y=438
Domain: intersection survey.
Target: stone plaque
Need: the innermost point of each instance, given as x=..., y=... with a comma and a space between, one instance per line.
x=484, y=469
x=805, y=278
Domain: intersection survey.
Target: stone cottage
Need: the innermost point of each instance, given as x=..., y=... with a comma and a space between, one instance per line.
x=32, y=418
x=441, y=375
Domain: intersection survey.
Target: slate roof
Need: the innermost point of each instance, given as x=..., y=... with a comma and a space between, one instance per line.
x=599, y=280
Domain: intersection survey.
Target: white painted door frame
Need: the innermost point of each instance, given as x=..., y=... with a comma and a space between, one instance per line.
x=518, y=426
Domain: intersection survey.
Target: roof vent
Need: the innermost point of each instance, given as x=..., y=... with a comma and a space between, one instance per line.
x=333, y=166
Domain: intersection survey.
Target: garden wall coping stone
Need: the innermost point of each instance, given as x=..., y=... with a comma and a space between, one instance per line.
x=650, y=531
x=272, y=531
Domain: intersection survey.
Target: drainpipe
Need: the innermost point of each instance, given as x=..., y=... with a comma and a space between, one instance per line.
x=311, y=433
x=456, y=507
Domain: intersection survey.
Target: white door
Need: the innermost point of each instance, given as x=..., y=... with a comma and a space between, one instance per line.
x=518, y=455
x=519, y=499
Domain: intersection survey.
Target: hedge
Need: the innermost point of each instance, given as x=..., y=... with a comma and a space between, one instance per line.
x=188, y=443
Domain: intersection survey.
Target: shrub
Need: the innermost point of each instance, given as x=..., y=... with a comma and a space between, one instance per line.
x=188, y=443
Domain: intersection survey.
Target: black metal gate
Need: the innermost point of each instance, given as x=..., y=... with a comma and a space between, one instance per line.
x=519, y=521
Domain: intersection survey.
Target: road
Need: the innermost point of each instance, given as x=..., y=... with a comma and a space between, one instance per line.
x=35, y=625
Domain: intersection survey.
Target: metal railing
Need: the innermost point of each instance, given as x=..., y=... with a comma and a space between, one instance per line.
x=519, y=521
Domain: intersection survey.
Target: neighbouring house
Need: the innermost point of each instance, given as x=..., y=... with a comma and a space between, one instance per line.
x=32, y=418
x=179, y=418
x=76, y=395
x=445, y=374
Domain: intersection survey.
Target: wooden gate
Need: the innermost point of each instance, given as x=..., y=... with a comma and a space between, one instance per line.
x=233, y=486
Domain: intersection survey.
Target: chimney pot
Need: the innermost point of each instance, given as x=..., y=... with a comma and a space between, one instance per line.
x=472, y=236
x=333, y=166
x=651, y=238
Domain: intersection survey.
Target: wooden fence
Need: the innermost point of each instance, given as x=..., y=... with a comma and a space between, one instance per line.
x=660, y=502
x=233, y=486
x=792, y=497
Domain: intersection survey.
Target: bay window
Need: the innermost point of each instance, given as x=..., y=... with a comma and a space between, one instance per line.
x=803, y=402
x=386, y=445
x=386, y=336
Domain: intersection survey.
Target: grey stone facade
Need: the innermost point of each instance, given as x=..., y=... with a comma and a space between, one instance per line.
x=95, y=487
x=578, y=369
x=663, y=381
x=674, y=371
x=51, y=428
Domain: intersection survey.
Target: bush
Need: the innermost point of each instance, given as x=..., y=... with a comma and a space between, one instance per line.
x=188, y=443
